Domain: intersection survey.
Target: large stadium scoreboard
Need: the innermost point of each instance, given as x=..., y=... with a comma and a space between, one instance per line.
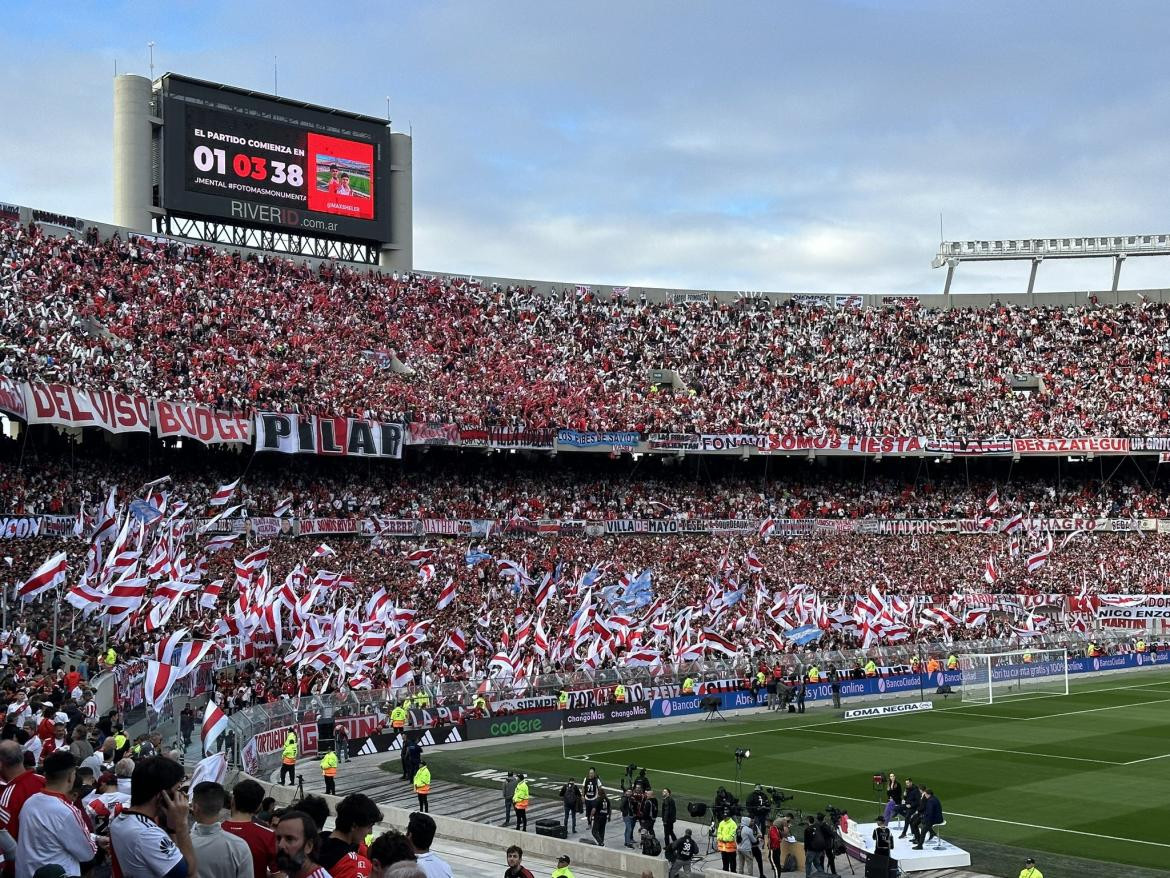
x=248, y=158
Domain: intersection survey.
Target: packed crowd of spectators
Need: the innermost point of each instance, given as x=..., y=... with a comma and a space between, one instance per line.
x=450, y=485
x=189, y=322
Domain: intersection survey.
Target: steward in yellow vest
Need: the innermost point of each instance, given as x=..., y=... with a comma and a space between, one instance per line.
x=422, y=786
x=329, y=772
x=288, y=759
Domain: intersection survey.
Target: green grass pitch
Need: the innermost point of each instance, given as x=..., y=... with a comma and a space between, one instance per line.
x=1084, y=776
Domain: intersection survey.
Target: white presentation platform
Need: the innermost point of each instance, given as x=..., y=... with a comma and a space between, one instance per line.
x=934, y=855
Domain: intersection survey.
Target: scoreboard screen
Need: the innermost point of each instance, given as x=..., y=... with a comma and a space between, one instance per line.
x=231, y=155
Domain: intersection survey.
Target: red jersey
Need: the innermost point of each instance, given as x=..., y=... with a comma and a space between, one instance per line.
x=352, y=866
x=261, y=842
x=13, y=797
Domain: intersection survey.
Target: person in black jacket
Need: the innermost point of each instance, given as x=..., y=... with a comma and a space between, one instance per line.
x=829, y=839
x=680, y=855
x=814, y=846
x=668, y=810
x=932, y=814
x=648, y=811
x=571, y=798
x=601, y=812
x=911, y=799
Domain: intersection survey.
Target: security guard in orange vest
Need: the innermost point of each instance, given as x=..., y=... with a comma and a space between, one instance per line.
x=398, y=718
x=619, y=693
x=932, y=665
x=422, y=786
x=329, y=772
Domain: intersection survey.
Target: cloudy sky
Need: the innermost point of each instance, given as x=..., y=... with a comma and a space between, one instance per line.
x=782, y=146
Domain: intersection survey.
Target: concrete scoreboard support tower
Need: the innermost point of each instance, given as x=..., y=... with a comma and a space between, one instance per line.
x=231, y=166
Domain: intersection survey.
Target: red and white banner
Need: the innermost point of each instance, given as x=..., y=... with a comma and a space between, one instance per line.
x=203, y=424
x=419, y=433
x=1133, y=607
x=67, y=406
x=1084, y=445
x=12, y=398
x=341, y=437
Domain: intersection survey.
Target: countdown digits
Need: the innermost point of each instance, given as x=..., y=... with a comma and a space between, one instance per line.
x=250, y=167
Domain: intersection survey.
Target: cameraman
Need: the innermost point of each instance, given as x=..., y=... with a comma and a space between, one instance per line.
x=723, y=802
x=759, y=806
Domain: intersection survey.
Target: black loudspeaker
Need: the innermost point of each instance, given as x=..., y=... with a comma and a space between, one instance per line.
x=697, y=809
x=326, y=735
x=881, y=867
x=711, y=702
x=551, y=828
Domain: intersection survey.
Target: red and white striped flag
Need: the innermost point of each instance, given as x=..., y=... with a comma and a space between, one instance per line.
x=456, y=641
x=215, y=723
x=766, y=527
x=167, y=645
x=160, y=679
x=1013, y=524
x=403, y=674
x=419, y=556
x=223, y=494
x=993, y=500
x=284, y=507
x=447, y=595
x=48, y=575
x=991, y=570
x=219, y=542
x=324, y=551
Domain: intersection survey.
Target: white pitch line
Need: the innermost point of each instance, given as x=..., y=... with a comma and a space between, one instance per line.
x=972, y=747
x=838, y=722
x=1147, y=759
x=1097, y=710
x=831, y=796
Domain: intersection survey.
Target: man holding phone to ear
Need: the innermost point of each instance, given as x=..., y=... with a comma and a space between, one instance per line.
x=151, y=838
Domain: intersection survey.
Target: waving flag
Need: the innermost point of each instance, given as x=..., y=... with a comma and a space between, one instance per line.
x=456, y=641
x=167, y=645
x=993, y=500
x=211, y=522
x=223, y=494
x=447, y=595
x=215, y=723
x=324, y=551
x=420, y=556
x=160, y=679
x=219, y=542
x=48, y=575
x=284, y=507
x=403, y=674
x=991, y=570
x=766, y=527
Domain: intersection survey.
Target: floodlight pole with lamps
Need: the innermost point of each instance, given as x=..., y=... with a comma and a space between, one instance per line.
x=740, y=756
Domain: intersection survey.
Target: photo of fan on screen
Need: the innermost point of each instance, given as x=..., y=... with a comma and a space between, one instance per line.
x=341, y=177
